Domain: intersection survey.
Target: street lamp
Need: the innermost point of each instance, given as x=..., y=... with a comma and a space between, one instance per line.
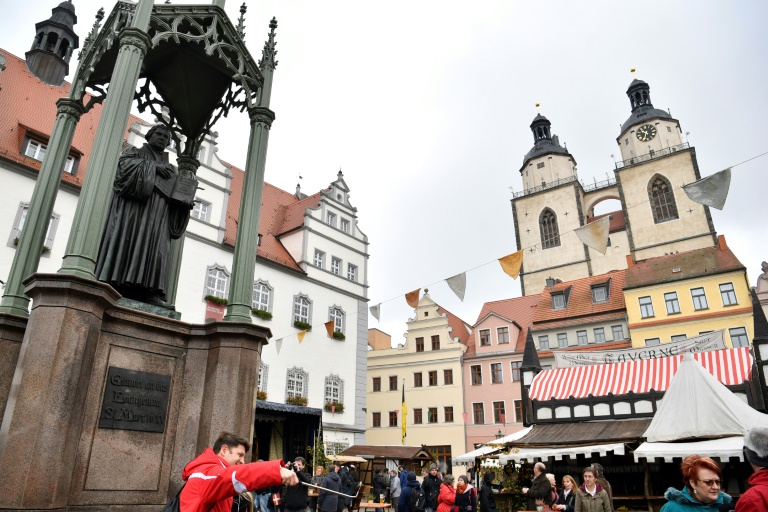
x=499, y=435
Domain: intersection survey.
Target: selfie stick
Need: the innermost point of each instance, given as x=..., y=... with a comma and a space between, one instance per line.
x=353, y=496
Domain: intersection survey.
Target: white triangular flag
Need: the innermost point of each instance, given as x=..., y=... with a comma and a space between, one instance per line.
x=712, y=190
x=458, y=284
x=278, y=345
x=376, y=311
x=595, y=234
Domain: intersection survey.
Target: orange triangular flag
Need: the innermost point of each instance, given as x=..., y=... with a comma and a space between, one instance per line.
x=511, y=264
x=412, y=298
x=329, y=328
x=301, y=335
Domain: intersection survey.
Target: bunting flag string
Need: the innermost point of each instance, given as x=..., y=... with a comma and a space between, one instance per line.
x=458, y=284
x=710, y=191
x=278, y=345
x=595, y=234
x=412, y=298
x=511, y=264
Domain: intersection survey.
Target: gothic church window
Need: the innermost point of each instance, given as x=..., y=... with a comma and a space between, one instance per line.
x=550, y=234
x=662, y=200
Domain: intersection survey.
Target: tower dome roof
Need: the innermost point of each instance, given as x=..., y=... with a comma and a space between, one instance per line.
x=544, y=143
x=639, y=94
x=64, y=14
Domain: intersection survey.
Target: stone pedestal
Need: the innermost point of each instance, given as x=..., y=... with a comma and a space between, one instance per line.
x=11, y=334
x=62, y=458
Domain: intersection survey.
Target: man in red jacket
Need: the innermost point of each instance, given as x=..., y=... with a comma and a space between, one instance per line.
x=756, y=448
x=218, y=474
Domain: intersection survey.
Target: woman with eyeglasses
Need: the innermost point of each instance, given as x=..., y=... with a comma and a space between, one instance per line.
x=702, y=478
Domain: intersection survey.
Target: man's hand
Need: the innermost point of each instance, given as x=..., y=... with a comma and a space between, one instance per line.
x=288, y=477
x=164, y=170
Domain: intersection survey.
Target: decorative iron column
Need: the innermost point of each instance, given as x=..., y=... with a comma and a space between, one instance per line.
x=90, y=215
x=29, y=249
x=244, y=263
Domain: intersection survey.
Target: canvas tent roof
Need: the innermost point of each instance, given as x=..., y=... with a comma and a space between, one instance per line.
x=491, y=447
x=532, y=454
x=696, y=405
x=722, y=449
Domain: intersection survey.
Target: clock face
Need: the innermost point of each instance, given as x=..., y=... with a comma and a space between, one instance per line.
x=646, y=132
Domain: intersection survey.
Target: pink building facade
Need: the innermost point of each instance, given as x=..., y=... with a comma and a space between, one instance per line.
x=491, y=368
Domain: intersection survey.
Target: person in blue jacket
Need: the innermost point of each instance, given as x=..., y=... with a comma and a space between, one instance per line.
x=405, y=492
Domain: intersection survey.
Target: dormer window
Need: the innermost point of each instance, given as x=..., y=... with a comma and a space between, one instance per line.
x=599, y=293
x=558, y=300
x=36, y=149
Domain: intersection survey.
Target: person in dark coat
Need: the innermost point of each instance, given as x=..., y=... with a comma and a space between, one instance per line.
x=405, y=492
x=602, y=482
x=328, y=501
x=540, y=487
x=403, y=477
x=566, y=499
x=487, y=498
x=295, y=498
x=346, y=487
x=466, y=495
x=431, y=486
x=379, y=486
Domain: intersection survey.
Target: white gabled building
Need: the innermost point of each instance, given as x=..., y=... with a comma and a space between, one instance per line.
x=291, y=281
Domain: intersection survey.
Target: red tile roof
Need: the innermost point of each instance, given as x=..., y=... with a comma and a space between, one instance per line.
x=579, y=302
x=461, y=329
x=691, y=264
x=520, y=310
x=571, y=322
x=617, y=222
x=27, y=104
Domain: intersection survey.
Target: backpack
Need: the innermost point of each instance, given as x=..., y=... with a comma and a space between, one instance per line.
x=174, y=505
x=418, y=500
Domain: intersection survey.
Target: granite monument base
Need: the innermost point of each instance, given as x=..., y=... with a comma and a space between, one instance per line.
x=107, y=404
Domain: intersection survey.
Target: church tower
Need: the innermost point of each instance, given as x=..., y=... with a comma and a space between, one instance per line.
x=655, y=164
x=55, y=40
x=546, y=212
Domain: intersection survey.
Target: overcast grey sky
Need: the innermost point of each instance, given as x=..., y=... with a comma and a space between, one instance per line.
x=425, y=106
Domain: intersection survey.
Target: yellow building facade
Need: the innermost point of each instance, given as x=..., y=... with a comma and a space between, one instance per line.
x=427, y=368
x=682, y=295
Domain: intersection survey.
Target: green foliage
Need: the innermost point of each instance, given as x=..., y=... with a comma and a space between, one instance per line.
x=296, y=400
x=264, y=315
x=216, y=300
x=317, y=452
x=46, y=249
x=339, y=336
x=304, y=326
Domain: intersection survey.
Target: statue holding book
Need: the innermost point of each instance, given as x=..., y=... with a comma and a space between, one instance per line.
x=150, y=206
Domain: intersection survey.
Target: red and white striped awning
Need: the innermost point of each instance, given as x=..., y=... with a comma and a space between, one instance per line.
x=730, y=366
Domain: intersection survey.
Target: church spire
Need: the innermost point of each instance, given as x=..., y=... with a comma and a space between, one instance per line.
x=639, y=93
x=55, y=40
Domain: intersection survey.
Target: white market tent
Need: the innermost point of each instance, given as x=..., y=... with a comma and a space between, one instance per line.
x=491, y=447
x=698, y=408
x=532, y=454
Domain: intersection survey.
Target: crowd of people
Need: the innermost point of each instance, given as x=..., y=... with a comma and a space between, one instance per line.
x=219, y=481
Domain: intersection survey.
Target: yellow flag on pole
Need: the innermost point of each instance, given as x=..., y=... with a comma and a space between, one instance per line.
x=403, y=416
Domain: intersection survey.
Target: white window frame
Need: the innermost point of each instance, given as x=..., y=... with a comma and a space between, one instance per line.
x=201, y=210
x=344, y=224
x=558, y=301
x=580, y=338
x=700, y=302
x=319, y=258
x=334, y=389
x=728, y=296
x=35, y=149
x=544, y=342
x=18, y=226
x=223, y=275
x=600, y=334
x=262, y=288
x=263, y=376
x=646, y=309
x=562, y=340
x=330, y=219
x=336, y=265
x=352, y=272
x=69, y=165
x=672, y=302
x=302, y=309
x=296, y=382
x=337, y=315
x=597, y=290
x=614, y=328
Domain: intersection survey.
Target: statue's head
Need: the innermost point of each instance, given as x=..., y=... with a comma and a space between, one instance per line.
x=158, y=137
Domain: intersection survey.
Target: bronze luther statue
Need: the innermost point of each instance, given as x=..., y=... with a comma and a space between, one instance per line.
x=150, y=206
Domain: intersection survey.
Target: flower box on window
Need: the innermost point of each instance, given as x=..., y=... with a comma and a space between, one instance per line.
x=215, y=308
x=261, y=395
x=216, y=300
x=304, y=326
x=264, y=315
x=334, y=407
x=296, y=400
x=339, y=336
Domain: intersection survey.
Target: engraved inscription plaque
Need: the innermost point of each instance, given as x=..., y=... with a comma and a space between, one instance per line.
x=135, y=400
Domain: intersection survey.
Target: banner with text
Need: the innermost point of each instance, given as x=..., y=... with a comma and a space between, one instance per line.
x=714, y=340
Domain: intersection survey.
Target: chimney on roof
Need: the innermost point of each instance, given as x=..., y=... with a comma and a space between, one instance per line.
x=722, y=245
